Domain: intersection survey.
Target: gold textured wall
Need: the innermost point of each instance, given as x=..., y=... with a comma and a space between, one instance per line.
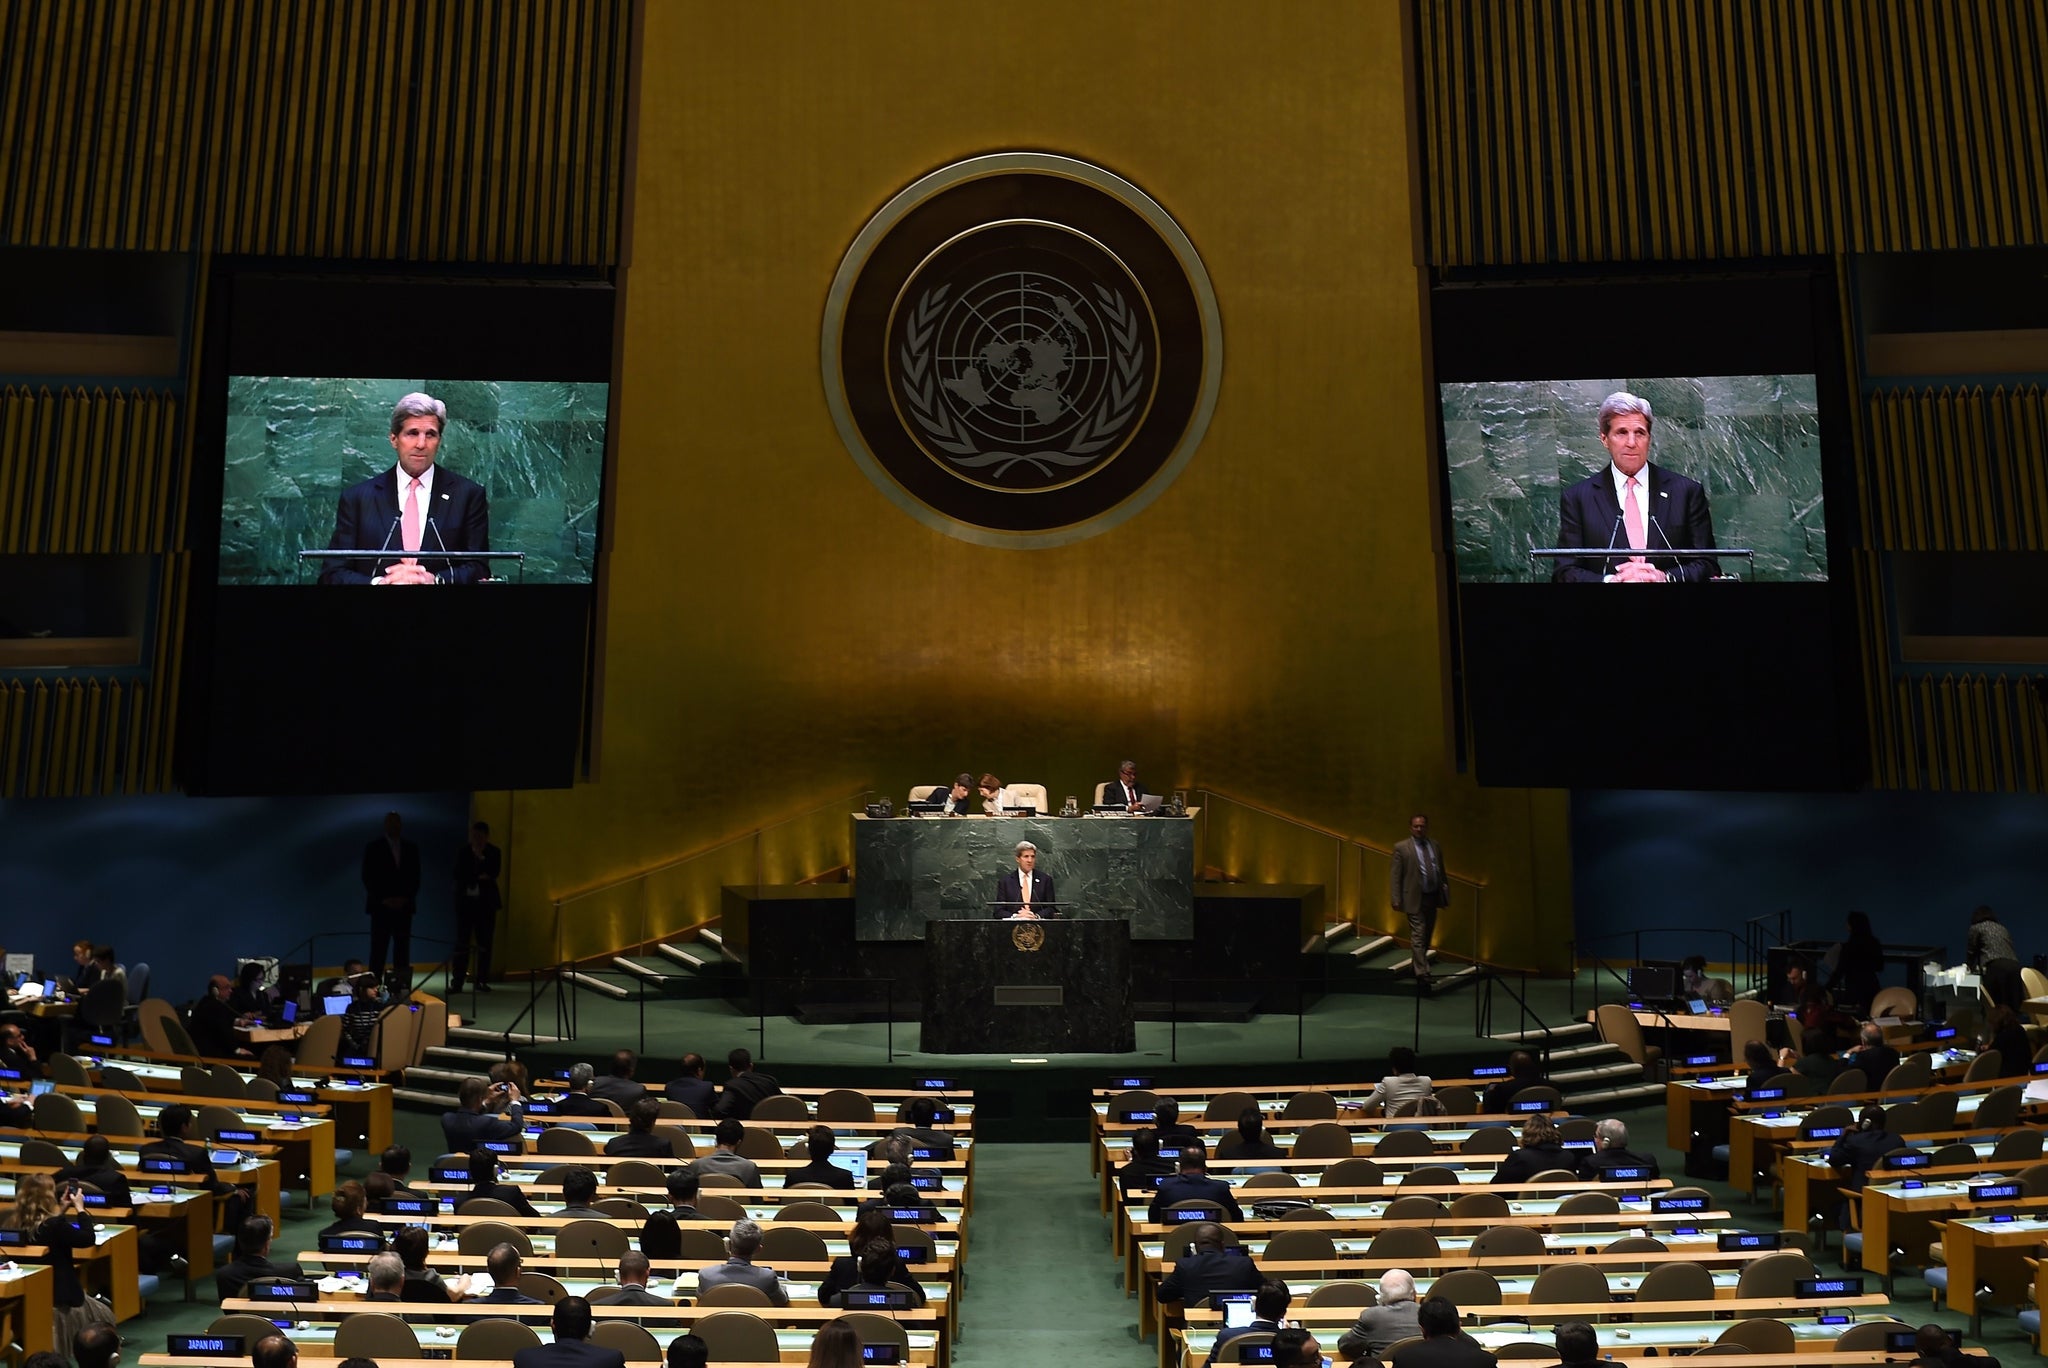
x=1616, y=130
x=777, y=632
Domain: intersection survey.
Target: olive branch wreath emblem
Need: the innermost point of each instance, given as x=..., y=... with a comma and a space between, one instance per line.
x=921, y=391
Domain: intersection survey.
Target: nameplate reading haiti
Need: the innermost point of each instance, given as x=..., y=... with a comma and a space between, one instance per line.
x=1021, y=350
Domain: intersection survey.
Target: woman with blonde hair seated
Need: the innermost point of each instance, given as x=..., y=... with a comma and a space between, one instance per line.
x=60, y=1223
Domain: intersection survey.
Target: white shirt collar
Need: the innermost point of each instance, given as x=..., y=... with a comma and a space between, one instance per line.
x=426, y=490
x=1642, y=478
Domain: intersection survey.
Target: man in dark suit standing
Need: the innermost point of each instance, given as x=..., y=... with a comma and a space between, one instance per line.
x=415, y=506
x=1023, y=891
x=476, y=906
x=1635, y=505
x=391, y=889
x=1418, y=887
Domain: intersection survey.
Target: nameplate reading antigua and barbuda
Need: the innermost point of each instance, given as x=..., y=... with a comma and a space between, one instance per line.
x=1021, y=349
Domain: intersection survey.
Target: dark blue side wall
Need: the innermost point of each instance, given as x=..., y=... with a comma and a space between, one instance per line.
x=1916, y=862
x=187, y=884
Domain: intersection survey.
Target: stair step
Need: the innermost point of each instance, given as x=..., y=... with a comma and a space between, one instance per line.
x=1563, y=1079
x=456, y=1054
x=1606, y=1097
x=711, y=936
x=484, y=1036
x=1575, y=1028
x=642, y=970
x=685, y=956
x=1368, y=947
x=1336, y=931
x=1581, y=1052
x=420, y=1073
x=1453, y=980
x=440, y=1101
x=598, y=985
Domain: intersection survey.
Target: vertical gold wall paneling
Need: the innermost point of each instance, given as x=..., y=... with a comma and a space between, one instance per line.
x=1957, y=469
x=1735, y=127
x=291, y=126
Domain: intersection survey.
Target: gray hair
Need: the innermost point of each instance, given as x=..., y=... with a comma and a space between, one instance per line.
x=1023, y=846
x=1620, y=402
x=1872, y=1033
x=419, y=406
x=745, y=1238
x=580, y=1076
x=1611, y=1134
x=385, y=1271
x=1397, y=1285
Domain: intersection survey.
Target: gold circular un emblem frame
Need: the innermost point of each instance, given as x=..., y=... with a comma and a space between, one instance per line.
x=1021, y=350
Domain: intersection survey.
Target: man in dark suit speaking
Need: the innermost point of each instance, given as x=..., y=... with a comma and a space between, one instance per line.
x=415, y=506
x=1023, y=892
x=1636, y=505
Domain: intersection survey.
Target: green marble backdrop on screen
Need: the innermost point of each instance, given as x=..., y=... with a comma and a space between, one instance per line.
x=294, y=443
x=1752, y=440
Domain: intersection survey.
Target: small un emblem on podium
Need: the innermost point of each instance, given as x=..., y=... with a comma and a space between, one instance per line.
x=1027, y=936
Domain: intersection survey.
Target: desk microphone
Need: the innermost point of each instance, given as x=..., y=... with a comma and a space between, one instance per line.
x=1676, y=565
x=448, y=567
x=387, y=543
x=1607, y=565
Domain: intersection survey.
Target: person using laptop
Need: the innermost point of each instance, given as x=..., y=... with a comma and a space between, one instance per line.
x=1023, y=893
x=1269, y=1307
x=821, y=1170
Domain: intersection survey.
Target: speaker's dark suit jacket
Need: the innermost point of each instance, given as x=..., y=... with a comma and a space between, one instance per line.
x=569, y=1353
x=366, y=520
x=1588, y=513
x=1010, y=894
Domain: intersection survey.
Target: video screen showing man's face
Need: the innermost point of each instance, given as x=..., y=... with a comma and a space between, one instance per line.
x=1717, y=463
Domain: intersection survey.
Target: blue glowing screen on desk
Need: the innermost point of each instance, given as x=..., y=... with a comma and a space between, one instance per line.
x=305, y=455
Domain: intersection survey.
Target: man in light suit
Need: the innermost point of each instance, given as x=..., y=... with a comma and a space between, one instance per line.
x=741, y=1268
x=1636, y=505
x=1417, y=886
x=1021, y=891
x=414, y=506
x=391, y=890
x=572, y=1347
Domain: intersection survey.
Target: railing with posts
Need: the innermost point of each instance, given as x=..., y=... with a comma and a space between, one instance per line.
x=1259, y=845
x=638, y=909
x=537, y=983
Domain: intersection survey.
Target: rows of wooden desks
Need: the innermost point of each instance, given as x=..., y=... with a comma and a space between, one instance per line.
x=109, y=1267
x=359, y=1106
x=311, y=1326
x=27, y=1294
x=1697, y=1101
x=303, y=1137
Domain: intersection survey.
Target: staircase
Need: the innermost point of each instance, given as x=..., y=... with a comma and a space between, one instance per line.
x=470, y=1050
x=1589, y=1072
x=1374, y=963
x=693, y=964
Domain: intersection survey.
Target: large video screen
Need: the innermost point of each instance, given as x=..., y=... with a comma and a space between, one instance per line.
x=1720, y=461
x=1722, y=396
x=510, y=467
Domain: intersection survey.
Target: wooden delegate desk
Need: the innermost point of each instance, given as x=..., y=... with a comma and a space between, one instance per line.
x=28, y=1292
x=109, y=1266
x=361, y=1112
x=187, y=1215
x=304, y=1147
x=1993, y=1255
x=1910, y=1219
x=439, y=1326
x=256, y=1171
x=1815, y=1343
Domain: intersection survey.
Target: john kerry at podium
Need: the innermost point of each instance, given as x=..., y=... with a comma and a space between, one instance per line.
x=1024, y=892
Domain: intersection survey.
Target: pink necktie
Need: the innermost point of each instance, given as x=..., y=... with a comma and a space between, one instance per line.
x=1632, y=518
x=1027, y=890
x=411, y=530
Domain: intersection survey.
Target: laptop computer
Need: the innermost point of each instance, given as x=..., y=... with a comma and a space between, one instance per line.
x=854, y=1162
x=336, y=1004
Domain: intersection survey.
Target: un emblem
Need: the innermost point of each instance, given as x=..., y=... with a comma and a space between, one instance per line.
x=1027, y=936
x=1021, y=350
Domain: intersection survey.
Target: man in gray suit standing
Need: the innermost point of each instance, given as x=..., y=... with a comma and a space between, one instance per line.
x=741, y=1268
x=1418, y=887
